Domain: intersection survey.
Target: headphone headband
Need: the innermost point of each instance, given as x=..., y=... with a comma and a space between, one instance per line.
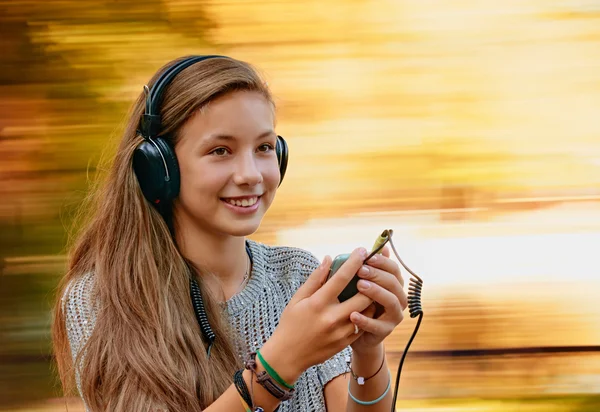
x=150, y=121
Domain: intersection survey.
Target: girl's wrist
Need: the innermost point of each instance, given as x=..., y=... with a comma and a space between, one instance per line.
x=282, y=361
x=366, y=363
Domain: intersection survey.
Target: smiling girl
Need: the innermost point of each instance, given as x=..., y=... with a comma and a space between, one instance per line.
x=168, y=306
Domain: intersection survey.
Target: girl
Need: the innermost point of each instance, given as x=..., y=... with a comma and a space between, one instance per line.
x=167, y=306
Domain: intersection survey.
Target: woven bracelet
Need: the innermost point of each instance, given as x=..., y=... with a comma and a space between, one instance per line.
x=265, y=380
x=242, y=388
x=272, y=371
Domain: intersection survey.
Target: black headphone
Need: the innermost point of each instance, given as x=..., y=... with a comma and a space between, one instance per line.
x=154, y=161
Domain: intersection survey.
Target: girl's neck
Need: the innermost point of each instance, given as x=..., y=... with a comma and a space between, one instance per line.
x=222, y=255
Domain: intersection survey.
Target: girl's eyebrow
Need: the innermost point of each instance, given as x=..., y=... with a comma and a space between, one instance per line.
x=228, y=137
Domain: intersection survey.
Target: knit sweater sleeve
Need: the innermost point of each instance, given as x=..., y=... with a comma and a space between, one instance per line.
x=80, y=318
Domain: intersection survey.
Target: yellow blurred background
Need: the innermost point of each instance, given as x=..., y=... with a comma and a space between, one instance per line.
x=470, y=127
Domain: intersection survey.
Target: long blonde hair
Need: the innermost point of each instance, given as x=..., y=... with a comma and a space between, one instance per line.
x=146, y=351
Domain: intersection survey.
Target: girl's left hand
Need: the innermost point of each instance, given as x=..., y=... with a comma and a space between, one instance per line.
x=382, y=282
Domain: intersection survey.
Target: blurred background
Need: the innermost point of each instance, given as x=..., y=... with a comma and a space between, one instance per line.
x=470, y=127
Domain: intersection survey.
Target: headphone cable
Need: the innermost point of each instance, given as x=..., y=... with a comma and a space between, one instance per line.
x=414, y=302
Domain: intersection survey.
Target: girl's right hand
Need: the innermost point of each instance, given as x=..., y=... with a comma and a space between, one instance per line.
x=314, y=325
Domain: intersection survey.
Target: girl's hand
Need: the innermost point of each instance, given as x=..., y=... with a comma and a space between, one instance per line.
x=314, y=325
x=382, y=282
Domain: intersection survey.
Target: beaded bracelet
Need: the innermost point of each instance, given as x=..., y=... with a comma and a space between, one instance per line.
x=373, y=402
x=244, y=404
x=247, y=408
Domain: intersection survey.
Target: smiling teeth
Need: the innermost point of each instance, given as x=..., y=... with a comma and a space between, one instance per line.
x=243, y=203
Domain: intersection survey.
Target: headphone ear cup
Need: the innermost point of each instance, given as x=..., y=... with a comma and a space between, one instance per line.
x=172, y=185
x=281, y=149
x=149, y=170
x=149, y=161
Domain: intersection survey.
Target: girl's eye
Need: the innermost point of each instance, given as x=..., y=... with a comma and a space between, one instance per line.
x=265, y=147
x=219, y=151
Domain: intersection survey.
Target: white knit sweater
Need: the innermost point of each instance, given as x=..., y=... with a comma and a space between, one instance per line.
x=277, y=273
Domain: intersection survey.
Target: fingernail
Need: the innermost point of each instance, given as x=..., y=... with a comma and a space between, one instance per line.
x=364, y=284
x=363, y=252
x=364, y=271
x=373, y=258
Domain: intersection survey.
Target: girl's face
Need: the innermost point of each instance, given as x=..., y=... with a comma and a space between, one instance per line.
x=228, y=165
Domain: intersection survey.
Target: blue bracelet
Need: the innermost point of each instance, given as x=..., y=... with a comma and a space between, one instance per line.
x=376, y=400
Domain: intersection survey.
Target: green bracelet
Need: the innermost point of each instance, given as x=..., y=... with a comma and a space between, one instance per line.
x=272, y=372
